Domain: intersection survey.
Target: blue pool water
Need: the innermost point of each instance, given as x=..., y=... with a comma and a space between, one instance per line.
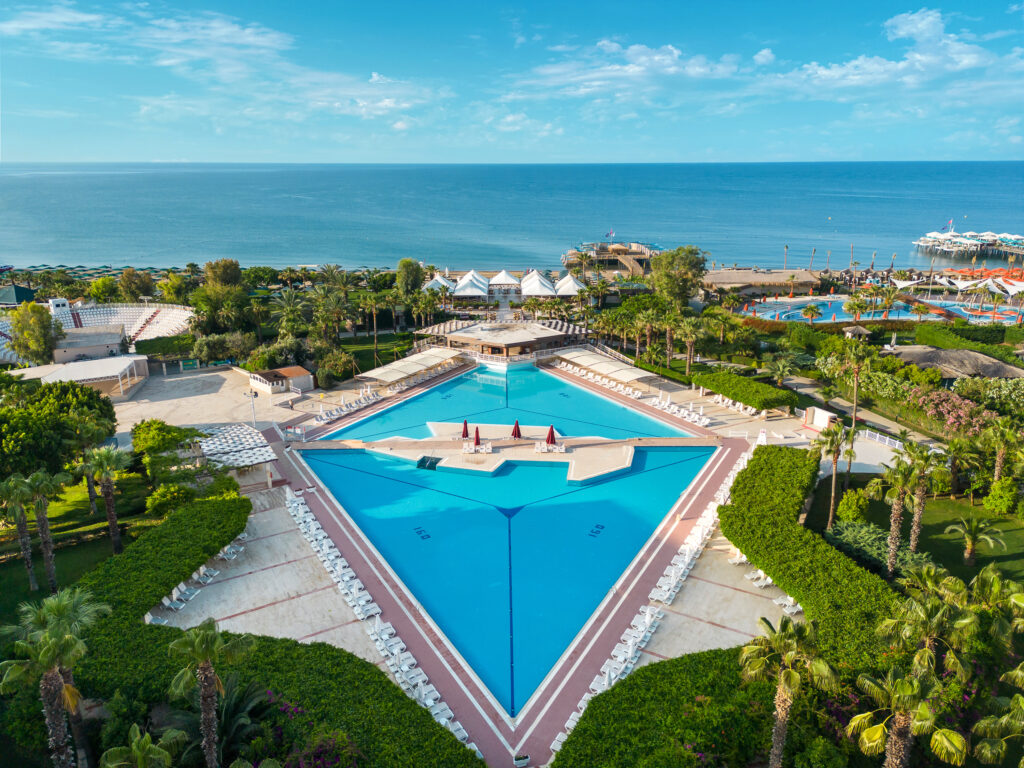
x=510, y=565
x=494, y=396
x=790, y=311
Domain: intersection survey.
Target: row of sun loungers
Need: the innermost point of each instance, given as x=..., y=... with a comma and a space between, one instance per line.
x=433, y=373
x=184, y=593
x=545, y=448
x=746, y=410
x=762, y=580
x=482, y=448
x=615, y=386
x=723, y=495
x=399, y=661
x=328, y=416
x=686, y=414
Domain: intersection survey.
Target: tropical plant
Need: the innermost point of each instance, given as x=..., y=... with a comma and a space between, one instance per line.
x=371, y=303
x=731, y=301
x=786, y=654
x=924, y=462
x=15, y=496
x=906, y=700
x=857, y=357
x=781, y=367
x=894, y=485
x=1003, y=437
x=142, y=752
x=962, y=456
x=288, y=309
x=975, y=530
x=689, y=330
x=811, y=312
x=919, y=311
x=831, y=441
x=42, y=486
x=927, y=624
x=201, y=648
x=107, y=462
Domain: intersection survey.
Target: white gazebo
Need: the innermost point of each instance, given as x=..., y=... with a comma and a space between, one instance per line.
x=472, y=285
x=535, y=284
x=568, y=286
x=438, y=282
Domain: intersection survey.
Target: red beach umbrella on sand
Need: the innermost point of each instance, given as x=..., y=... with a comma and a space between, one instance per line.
x=476, y=436
x=516, y=433
x=550, y=440
x=465, y=429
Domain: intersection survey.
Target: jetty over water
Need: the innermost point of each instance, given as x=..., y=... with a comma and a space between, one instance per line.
x=971, y=244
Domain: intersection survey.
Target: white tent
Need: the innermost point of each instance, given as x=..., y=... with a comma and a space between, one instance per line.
x=963, y=285
x=438, y=282
x=568, y=286
x=535, y=284
x=504, y=278
x=901, y=284
x=471, y=285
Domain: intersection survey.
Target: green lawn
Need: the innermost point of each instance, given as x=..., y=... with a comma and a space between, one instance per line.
x=945, y=549
x=71, y=563
x=168, y=346
x=362, y=348
x=71, y=518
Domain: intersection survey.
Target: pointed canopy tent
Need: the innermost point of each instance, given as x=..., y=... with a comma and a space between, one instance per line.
x=901, y=284
x=504, y=279
x=550, y=439
x=438, y=282
x=568, y=286
x=535, y=284
x=471, y=285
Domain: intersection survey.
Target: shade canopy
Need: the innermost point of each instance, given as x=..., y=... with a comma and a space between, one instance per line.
x=568, y=286
x=472, y=285
x=606, y=366
x=504, y=278
x=410, y=366
x=535, y=284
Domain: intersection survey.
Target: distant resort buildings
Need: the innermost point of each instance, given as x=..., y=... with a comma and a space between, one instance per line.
x=505, y=285
x=632, y=258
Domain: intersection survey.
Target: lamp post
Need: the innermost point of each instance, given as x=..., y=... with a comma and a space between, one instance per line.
x=251, y=396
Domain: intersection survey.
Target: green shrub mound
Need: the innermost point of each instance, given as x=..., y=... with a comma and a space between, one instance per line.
x=746, y=391
x=985, y=334
x=762, y=521
x=338, y=690
x=664, y=714
x=936, y=335
x=868, y=544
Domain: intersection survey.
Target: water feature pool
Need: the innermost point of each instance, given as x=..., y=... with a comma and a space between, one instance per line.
x=789, y=311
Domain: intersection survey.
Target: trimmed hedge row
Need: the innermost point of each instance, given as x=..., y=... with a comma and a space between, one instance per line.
x=337, y=689
x=744, y=390
x=943, y=337
x=984, y=334
x=693, y=704
x=762, y=521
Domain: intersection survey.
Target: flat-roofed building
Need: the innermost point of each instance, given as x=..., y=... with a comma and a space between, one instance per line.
x=282, y=380
x=761, y=282
x=117, y=377
x=506, y=339
x=89, y=343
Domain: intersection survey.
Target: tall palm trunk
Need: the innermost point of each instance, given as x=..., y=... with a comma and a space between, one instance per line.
x=25, y=541
x=783, y=703
x=107, y=487
x=51, y=690
x=897, y=746
x=375, y=357
x=997, y=471
x=689, y=356
x=895, y=524
x=832, y=503
x=46, y=543
x=208, y=711
x=77, y=726
x=969, y=553
x=954, y=477
x=90, y=484
x=915, y=526
x=668, y=346
x=853, y=430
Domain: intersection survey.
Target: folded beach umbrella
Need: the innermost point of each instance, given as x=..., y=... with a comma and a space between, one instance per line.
x=476, y=436
x=465, y=429
x=516, y=433
x=550, y=440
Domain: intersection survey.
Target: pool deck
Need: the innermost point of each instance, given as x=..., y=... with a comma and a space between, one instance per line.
x=532, y=731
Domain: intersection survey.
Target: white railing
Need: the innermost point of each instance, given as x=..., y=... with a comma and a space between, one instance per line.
x=878, y=437
x=799, y=412
x=606, y=350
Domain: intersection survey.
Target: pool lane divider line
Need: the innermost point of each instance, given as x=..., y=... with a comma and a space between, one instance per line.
x=647, y=557
x=376, y=563
x=511, y=629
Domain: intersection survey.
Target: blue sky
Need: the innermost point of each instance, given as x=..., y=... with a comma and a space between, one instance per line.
x=535, y=82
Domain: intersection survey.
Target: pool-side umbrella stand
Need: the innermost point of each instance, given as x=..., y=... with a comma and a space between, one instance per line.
x=516, y=432
x=550, y=440
x=476, y=436
x=465, y=429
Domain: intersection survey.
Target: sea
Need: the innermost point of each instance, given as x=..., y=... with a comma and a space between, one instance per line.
x=494, y=216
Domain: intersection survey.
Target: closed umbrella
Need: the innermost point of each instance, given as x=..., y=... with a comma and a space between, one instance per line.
x=516, y=432
x=476, y=436
x=550, y=440
x=465, y=429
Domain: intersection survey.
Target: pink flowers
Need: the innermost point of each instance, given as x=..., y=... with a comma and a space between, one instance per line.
x=958, y=414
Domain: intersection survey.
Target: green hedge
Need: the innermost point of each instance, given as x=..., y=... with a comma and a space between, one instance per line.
x=697, y=702
x=762, y=521
x=337, y=689
x=984, y=334
x=936, y=335
x=746, y=391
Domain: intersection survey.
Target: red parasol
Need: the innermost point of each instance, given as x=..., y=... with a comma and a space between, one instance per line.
x=551, y=435
x=476, y=436
x=746, y=307
x=833, y=317
x=465, y=429
x=832, y=289
x=516, y=433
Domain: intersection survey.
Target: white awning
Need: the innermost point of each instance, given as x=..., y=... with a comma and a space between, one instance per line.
x=568, y=286
x=504, y=278
x=535, y=284
x=472, y=284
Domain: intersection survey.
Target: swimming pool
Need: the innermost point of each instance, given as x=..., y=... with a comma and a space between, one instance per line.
x=832, y=311
x=500, y=396
x=511, y=565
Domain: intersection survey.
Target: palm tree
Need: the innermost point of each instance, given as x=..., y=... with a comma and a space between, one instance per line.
x=831, y=441
x=731, y=301
x=69, y=612
x=42, y=486
x=329, y=273
x=811, y=312
x=1002, y=436
x=856, y=306
x=532, y=305
x=781, y=367
x=919, y=311
x=107, y=462
x=924, y=463
x=906, y=699
x=201, y=648
x=288, y=309
x=371, y=303
x=289, y=275
x=786, y=655
x=599, y=290
x=961, y=454
x=923, y=623
x=46, y=650
x=90, y=431
x=347, y=281
x=689, y=331
x=651, y=319
x=142, y=752
x=15, y=495
x=894, y=485
x=976, y=530
x=393, y=300
x=857, y=357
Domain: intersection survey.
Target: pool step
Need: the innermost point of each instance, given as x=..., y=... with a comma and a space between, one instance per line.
x=428, y=462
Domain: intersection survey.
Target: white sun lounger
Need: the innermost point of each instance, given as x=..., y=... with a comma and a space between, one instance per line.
x=174, y=605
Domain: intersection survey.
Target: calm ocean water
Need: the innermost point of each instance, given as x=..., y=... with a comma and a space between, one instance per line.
x=490, y=217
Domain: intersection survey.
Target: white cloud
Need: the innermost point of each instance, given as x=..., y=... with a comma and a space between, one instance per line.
x=55, y=18
x=400, y=125
x=764, y=57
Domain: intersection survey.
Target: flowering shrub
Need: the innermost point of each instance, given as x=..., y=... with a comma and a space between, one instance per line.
x=954, y=413
x=1003, y=395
